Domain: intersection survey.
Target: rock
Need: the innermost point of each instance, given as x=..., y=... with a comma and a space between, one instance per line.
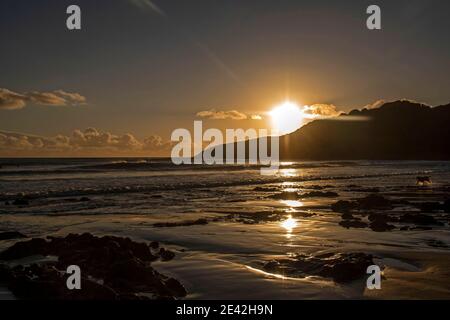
x=352, y=224
x=419, y=218
x=371, y=202
x=122, y=264
x=347, y=216
x=142, y=251
x=175, y=287
x=341, y=267
x=24, y=249
x=154, y=245
x=446, y=206
x=265, y=189
x=319, y=194
x=11, y=235
x=382, y=217
x=362, y=189
x=381, y=226
x=21, y=202
x=166, y=255
x=84, y=199
x=285, y=195
x=429, y=206
x=272, y=265
x=200, y=221
x=348, y=267
x=343, y=206
x=6, y=203
x=374, y=201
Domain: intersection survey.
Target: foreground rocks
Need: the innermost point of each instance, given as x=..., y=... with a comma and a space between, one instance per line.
x=292, y=195
x=380, y=215
x=341, y=267
x=201, y=221
x=9, y=235
x=111, y=268
x=371, y=202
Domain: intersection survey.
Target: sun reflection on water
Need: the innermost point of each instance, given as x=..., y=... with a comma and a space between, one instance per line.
x=289, y=224
x=288, y=172
x=292, y=203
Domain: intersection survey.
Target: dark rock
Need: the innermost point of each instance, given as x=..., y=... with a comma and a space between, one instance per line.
x=381, y=226
x=344, y=206
x=285, y=195
x=175, y=287
x=446, y=206
x=166, y=255
x=265, y=189
x=436, y=243
x=361, y=189
x=24, y=249
x=122, y=264
x=142, y=251
x=341, y=267
x=352, y=224
x=382, y=217
x=11, y=235
x=347, y=216
x=374, y=201
x=154, y=245
x=272, y=265
x=419, y=218
x=429, y=206
x=84, y=199
x=6, y=203
x=21, y=202
x=200, y=221
x=319, y=194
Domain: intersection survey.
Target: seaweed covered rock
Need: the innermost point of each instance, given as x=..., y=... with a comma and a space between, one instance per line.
x=341, y=267
x=9, y=235
x=285, y=195
x=319, y=194
x=344, y=206
x=111, y=268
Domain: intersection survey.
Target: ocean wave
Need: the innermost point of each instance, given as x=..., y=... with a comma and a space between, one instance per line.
x=184, y=185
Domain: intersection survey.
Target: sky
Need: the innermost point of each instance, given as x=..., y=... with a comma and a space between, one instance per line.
x=139, y=69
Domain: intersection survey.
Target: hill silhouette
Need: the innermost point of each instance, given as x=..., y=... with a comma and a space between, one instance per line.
x=399, y=130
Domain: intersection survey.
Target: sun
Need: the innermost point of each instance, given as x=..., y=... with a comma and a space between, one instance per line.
x=286, y=117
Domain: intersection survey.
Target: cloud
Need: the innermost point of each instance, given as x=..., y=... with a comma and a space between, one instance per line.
x=255, y=117
x=375, y=105
x=156, y=143
x=90, y=141
x=10, y=100
x=213, y=114
x=72, y=98
x=321, y=111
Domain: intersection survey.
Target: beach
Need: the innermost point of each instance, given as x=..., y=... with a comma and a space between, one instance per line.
x=239, y=235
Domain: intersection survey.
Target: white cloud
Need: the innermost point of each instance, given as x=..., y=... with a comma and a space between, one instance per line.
x=321, y=110
x=10, y=100
x=214, y=114
x=88, y=141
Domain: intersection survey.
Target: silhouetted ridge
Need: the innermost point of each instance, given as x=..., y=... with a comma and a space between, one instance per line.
x=399, y=130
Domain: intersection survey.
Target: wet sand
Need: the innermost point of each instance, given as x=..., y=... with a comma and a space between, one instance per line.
x=223, y=255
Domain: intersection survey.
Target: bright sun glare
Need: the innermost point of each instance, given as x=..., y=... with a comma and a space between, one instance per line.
x=286, y=117
x=289, y=224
